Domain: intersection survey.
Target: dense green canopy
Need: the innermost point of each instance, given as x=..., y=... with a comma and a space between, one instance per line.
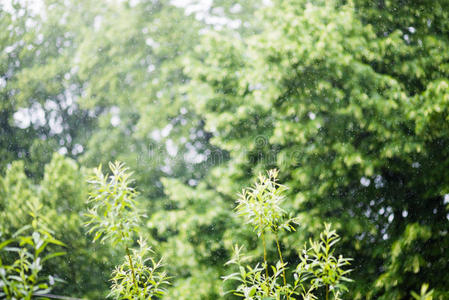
x=348, y=99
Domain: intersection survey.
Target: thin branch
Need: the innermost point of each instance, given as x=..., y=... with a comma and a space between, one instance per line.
x=265, y=254
x=52, y=296
x=132, y=268
x=282, y=262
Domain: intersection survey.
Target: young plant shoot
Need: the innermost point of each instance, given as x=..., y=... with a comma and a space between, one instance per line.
x=22, y=278
x=114, y=216
x=318, y=270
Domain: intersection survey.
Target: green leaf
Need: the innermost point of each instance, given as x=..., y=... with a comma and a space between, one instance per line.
x=52, y=255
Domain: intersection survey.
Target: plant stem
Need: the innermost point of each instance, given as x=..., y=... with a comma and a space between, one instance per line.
x=57, y=297
x=132, y=268
x=327, y=292
x=265, y=254
x=282, y=262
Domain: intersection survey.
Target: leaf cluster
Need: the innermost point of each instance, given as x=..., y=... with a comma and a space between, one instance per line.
x=22, y=278
x=318, y=269
x=261, y=205
x=254, y=281
x=114, y=216
x=424, y=293
x=113, y=213
x=149, y=277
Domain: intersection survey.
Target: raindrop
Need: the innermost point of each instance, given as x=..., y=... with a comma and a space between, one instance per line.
x=446, y=199
x=365, y=181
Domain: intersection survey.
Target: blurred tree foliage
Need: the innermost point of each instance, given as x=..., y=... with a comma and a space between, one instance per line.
x=350, y=102
x=348, y=99
x=59, y=198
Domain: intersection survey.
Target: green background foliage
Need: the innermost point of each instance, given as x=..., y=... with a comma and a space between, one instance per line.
x=348, y=99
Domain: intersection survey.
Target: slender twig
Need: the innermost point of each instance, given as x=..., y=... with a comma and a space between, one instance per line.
x=326, y=251
x=265, y=254
x=130, y=260
x=56, y=297
x=132, y=268
x=282, y=262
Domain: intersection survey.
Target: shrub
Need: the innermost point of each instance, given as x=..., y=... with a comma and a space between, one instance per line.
x=114, y=216
x=27, y=252
x=318, y=268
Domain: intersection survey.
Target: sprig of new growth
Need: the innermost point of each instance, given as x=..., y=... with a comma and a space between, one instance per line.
x=22, y=278
x=114, y=216
x=317, y=269
x=254, y=281
x=113, y=213
x=320, y=266
x=260, y=205
x=150, y=279
x=424, y=294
